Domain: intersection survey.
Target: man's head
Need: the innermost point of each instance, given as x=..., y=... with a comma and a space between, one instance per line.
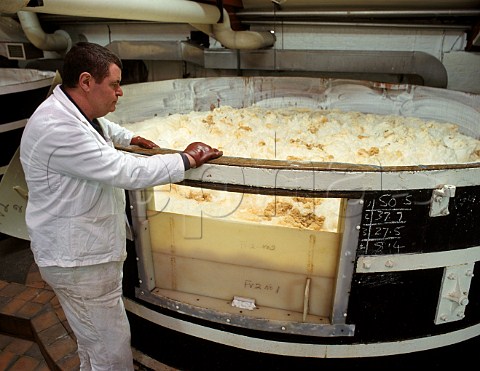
x=91, y=75
x=87, y=57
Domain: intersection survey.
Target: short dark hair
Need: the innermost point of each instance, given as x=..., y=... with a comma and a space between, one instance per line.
x=87, y=57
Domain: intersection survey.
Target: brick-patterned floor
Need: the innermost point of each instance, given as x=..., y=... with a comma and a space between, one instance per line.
x=34, y=332
x=20, y=354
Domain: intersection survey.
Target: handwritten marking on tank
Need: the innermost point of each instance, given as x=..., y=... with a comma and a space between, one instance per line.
x=255, y=246
x=261, y=286
x=5, y=211
x=384, y=221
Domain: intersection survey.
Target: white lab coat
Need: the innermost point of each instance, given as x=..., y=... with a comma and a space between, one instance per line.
x=75, y=213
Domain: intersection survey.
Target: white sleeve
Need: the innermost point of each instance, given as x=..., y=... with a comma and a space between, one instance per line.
x=71, y=150
x=117, y=133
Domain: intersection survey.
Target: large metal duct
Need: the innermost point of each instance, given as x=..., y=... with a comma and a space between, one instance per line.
x=427, y=67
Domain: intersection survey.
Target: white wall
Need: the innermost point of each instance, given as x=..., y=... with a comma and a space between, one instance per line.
x=447, y=45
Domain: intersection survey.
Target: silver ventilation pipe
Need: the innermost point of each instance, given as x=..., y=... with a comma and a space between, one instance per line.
x=424, y=65
x=336, y=62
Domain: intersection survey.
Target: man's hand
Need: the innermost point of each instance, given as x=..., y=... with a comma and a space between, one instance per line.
x=201, y=153
x=142, y=142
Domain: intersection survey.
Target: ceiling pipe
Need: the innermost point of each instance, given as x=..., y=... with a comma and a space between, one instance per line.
x=338, y=62
x=359, y=13
x=60, y=41
x=231, y=39
x=429, y=68
x=175, y=11
x=12, y=6
x=172, y=11
x=457, y=26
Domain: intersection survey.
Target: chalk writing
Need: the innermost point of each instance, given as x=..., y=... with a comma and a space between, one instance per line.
x=383, y=223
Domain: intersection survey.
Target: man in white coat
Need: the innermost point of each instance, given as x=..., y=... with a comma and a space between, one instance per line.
x=76, y=202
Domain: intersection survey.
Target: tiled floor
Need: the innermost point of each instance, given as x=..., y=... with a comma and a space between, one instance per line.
x=34, y=333
x=20, y=354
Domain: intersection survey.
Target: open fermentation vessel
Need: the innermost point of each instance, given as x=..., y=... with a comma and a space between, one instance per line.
x=21, y=91
x=402, y=231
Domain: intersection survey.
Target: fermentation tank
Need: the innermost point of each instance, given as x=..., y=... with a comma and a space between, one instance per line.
x=390, y=275
x=27, y=86
x=399, y=274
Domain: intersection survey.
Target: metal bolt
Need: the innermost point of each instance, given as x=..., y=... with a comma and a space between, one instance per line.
x=228, y=320
x=389, y=263
x=140, y=281
x=283, y=328
x=367, y=264
x=438, y=198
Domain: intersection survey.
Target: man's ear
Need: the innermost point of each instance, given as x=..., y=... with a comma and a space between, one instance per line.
x=85, y=80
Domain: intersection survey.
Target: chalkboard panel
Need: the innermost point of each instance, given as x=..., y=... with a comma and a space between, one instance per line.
x=378, y=300
x=460, y=229
x=392, y=222
x=399, y=222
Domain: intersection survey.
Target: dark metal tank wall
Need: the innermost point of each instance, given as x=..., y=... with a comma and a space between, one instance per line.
x=384, y=306
x=390, y=306
x=18, y=99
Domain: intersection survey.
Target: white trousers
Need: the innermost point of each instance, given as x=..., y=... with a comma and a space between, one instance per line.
x=91, y=298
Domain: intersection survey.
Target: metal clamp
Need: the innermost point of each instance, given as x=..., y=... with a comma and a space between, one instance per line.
x=440, y=200
x=453, y=296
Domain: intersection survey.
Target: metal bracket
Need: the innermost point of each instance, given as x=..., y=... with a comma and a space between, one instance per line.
x=243, y=303
x=453, y=296
x=440, y=200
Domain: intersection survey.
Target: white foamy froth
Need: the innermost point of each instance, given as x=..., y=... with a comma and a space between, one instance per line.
x=301, y=135
x=315, y=135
